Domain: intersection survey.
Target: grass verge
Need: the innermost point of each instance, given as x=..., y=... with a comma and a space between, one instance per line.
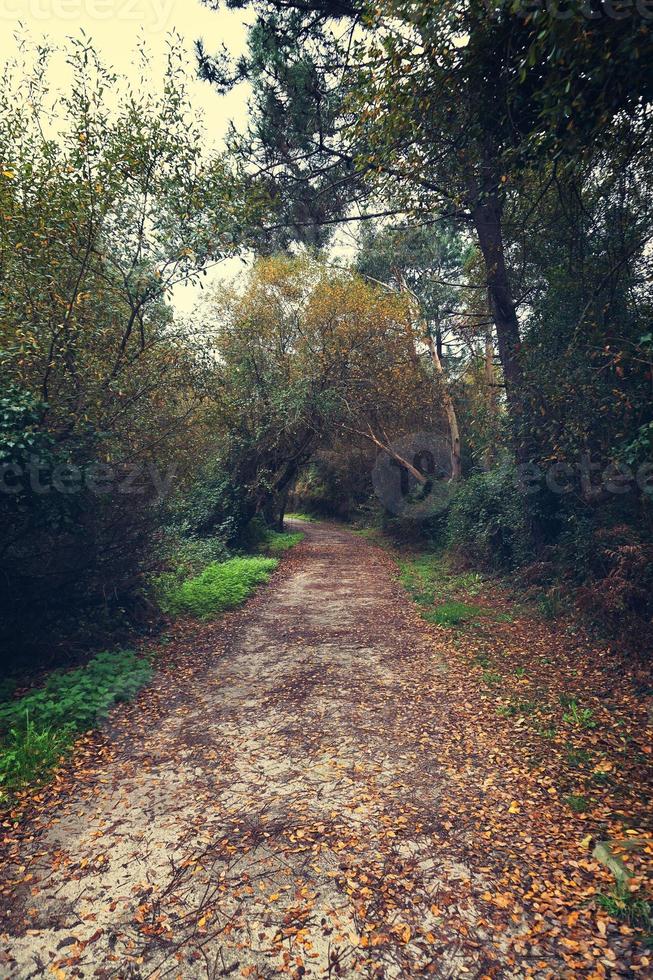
x=277, y=542
x=221, y=586
x=37, y=730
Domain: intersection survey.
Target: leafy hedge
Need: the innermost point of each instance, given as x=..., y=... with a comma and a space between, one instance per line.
x=488, y=519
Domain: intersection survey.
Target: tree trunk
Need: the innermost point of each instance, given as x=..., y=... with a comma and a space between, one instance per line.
x=435, y=348
x=487, y=221
x=450, y=409
x=490, y=399
x=384, y=447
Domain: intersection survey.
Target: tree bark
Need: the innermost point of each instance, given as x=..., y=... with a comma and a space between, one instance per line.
x=435, y=349
x=449, y=407
x=486, y=216
x=414, y=472
x=490, y=398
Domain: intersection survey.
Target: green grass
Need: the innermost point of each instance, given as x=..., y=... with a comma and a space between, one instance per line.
x=430, y=581
x=516, y=707
x=575, y=715
x=28, y=754
x=276, y=542
x=219, y=587
x=371, y=534
x=491, y=678
x=38, y=728
x=299, y=517
x=627, y=906
x=578, y=803
x=453, y=614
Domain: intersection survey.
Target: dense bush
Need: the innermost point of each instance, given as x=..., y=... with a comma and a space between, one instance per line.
x=212, y=507
x=101, y=406
x=488, y=519
x=182, y=557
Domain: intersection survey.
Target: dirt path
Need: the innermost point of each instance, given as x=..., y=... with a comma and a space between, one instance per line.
x=284, y=808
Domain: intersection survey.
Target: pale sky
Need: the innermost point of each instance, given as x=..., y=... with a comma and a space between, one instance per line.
x=114, y=26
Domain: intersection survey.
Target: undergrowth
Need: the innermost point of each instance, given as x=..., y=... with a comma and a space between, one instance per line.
x=453, y=614
x=628, y=906
x=219, y=587
x=276, y=542
x=431, y=583
x=36, y=730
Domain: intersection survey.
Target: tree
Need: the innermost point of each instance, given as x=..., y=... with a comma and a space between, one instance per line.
x=431, y=110
x=102, y=213
x=426, y=264
x=306, y=354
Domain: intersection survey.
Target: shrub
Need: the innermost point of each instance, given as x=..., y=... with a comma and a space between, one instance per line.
x=489, y=521
x=219, y=587
x=37, y=729
x=212, y=507
x=186, y=556
x=78, y=699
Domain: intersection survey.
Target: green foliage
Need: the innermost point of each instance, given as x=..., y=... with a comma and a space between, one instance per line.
x=430, y=581
x=453, y=614
x=429, y=573
x=20, y=416
x=492, y=678
x=103, y=212
x=211, y=507
x=550, y=604
x=187, y=556
x=300, y=517
x=219, y=587
x=79, y=699
x=29, y=753
x=488, y=520
x=276, y=542
x=517, y=706
x=36, y=730
x=575, y=715
x=626, y=905
x=578, y=757
x=579, y=804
